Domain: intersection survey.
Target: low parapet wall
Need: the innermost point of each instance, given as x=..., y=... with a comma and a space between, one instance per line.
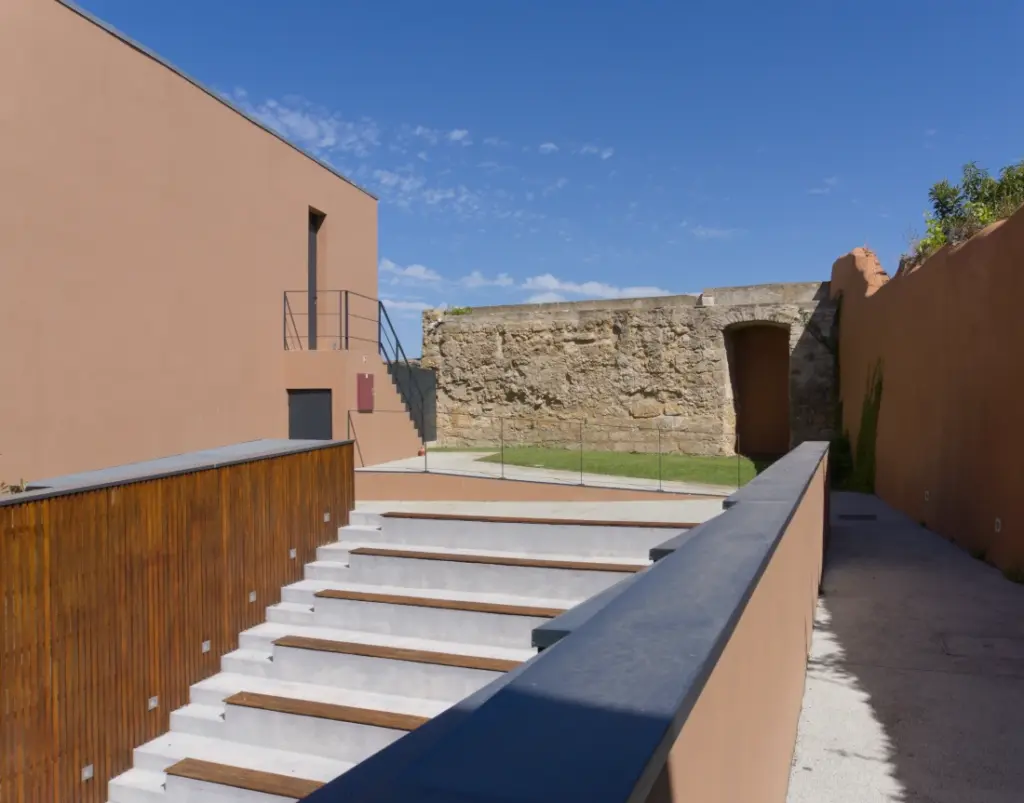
x=685, y=685
x=123, y=587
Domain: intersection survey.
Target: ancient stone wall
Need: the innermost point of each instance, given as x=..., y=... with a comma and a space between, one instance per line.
x=628, y=374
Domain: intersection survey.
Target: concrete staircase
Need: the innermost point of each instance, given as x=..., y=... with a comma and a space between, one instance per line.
x=401, y=618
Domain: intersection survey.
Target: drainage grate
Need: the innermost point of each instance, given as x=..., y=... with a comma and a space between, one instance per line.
x=858, y=516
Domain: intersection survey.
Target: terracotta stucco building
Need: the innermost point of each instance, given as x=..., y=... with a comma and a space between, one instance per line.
x=149, y=231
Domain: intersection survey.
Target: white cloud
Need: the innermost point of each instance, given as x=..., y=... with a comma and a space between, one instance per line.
x=437, y=195
x=477, y=279
x=597, y=150
x=557, y=185
x=827, y=185
x=423, y=155
x=431, y=135
x=406, y=188
x=410, y=273
x=494, y=141
x=713, y=233
x=551, y=284
x=400, y=188
x=460, y=135
x=548, y=147
x=398, y=304
x=312, y=127
x=494, y=167
x=931, y=132
x=545, y=298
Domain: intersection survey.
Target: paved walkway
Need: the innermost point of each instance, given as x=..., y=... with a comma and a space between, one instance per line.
x=470, y=464
x=915, y=689
x=666, y=509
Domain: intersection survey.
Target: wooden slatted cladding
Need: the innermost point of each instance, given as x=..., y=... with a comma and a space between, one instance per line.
x=108, y=596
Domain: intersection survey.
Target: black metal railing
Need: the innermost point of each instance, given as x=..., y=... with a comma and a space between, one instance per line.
x=405, y=379
x=339, y=320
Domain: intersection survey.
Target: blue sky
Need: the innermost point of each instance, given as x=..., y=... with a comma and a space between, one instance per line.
x=576, y=149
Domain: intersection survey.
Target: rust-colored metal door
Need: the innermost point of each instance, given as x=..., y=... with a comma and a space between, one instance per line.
x=364, y=393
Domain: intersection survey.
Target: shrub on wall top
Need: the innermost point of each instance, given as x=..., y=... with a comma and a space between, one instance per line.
x=961, y=210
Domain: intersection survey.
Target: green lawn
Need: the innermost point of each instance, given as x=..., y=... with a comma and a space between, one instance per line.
x=674, y=467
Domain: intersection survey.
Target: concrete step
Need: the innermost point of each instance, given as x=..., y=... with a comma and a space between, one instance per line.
x=337, y=553
x=303, y=591
x=290, y=613
x=349, y=733
x=333, y=571
x=502, y=621
x=388, y=664
x=137, y=786
x=199, y=720
x=553, y=576
x=248, y=662
x=364, y=518
x=173, y=746
x=261, y=640
x=534, y=536
x=193, y=780
x=214, y=690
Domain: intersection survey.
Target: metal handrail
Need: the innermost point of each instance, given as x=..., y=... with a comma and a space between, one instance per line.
x=383, y=316
x=388, y=344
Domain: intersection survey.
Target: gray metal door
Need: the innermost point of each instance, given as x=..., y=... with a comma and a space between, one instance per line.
x=309, y=415
x=315, y=220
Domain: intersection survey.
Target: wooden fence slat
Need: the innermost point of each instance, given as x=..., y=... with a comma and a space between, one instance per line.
x=107, y=596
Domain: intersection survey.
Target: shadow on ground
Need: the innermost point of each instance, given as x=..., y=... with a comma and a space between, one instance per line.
x=916, y=682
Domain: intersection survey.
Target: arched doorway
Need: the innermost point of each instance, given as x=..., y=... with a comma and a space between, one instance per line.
x=758, y=356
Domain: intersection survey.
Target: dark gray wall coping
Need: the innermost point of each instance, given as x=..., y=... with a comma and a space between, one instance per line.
x=164, y=467
x=784, y=479
x=558, y=628
x=553, y=631
x=593, y=717
x=666, y=548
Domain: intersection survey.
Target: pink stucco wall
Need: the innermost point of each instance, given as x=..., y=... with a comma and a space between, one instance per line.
x=147, y=233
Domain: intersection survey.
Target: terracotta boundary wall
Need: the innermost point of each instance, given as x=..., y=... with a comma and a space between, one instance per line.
x=945, y=338
x=127, y=585
x=685, y=685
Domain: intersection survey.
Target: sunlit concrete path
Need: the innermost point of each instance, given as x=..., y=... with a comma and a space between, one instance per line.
x=915, y=688
x=471, y=464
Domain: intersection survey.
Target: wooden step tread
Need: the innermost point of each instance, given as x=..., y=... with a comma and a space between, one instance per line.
x=447, y=604
x=338, y=713
x=667, y=525
x=494, y=560
x=398, y=653
x=269, y=783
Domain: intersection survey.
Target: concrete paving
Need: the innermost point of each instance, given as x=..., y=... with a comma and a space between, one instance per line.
x=667, y=509
x=915, y=687
x=470, y=464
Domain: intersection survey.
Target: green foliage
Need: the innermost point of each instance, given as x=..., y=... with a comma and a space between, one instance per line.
x=862, y=477
x=712, y=470
x=945, y=198
x=959, y=211
x=460, y=310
